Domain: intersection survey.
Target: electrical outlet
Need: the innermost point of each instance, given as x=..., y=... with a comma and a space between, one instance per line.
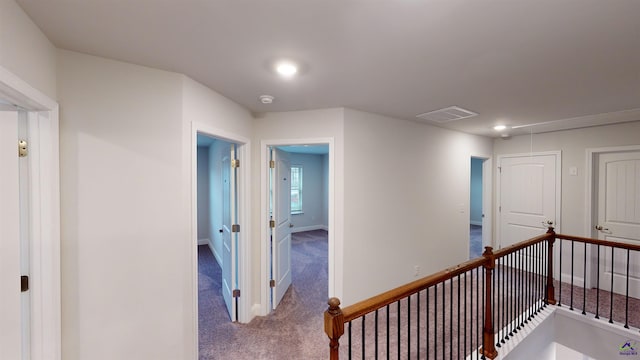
x=416, y=270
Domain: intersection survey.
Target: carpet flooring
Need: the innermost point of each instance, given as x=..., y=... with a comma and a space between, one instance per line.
x=293, y=331
x=475, y=241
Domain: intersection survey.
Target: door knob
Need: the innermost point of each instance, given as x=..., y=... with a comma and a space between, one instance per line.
x=290, y=225
x=600, y=228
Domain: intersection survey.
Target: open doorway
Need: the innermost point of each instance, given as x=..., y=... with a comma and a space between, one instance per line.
x=479, y=206
x=298, y=212
x=217, y=230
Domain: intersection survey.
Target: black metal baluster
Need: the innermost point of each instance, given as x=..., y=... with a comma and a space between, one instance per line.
x=483, y=307
x=611, y=289
x=349, y=340
x=571, y=296
x=388, y=335
x=584, y=284
x=560, y=277
x=428, y=323
x=465, y=314
x=418, y=327
x=458, y=317
x=444, y=320
x=435, y=321
x=521, y=292
x=376, y=336
x=409, y=324
x=626, y=306
x=398, y=330
x=511, y=297
x=598, y=284
x=527, y=291
x=497, y=272
x=363, y=337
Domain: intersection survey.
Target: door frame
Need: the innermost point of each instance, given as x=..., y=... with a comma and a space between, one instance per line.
x=335, y=273
x=487, y=193
x=558, y=155
x=44, y=225
x=244, y=219
x=591, y=199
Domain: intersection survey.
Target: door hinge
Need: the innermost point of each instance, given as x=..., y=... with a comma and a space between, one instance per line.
x=272, y=164
x=272, y=224
x=22, y=148
x=500, y=169
x=236, y=293
x=499, y=208
x=235, y=228
x=24, y=283
x=235, y=163
x=272, y=283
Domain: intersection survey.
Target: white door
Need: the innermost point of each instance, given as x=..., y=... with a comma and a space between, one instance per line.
x=229, y=236
x=11, y=339
x=486, y=202
x=529, y=196
x=281, y=232
x=619, y=218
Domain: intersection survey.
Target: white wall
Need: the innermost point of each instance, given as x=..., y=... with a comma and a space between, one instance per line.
x=125, y=222
x=204, y=205
x=313, y=192
x=25, y=50
x=406, y=200
x=126, y=168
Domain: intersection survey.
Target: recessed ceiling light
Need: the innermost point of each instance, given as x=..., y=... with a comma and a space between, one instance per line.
x=499, y=127
x=286, y=68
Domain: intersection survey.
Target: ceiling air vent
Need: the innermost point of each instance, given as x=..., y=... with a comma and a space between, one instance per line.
x=451, y=113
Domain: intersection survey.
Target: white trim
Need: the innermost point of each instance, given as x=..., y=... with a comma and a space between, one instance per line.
x=203, y=241
x=245, y=313
x=476, y=223
x=334, y=241
x=45, y=222
x=297, y=229
x=489, y=215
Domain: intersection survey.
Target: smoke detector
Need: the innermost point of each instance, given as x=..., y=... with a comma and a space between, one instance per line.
x=266, y=99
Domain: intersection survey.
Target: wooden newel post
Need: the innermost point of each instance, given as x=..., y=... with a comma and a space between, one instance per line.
x=334, y=327
x=551, y=297
x=489, y=347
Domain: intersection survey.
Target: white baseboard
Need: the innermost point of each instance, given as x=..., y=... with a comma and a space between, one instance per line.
x=473, y=222
x=215, y=253
x=577, y=280
x=203, y=241
x=309, y=228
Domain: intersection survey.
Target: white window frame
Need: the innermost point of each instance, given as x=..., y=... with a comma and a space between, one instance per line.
x=300, y=209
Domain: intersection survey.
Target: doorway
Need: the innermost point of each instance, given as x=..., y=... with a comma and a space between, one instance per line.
x=615, y=185
x=29, y=320
x=297, y=210
x=480, y=206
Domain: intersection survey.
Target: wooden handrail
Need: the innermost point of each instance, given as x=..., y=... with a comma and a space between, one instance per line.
x=599, y=242
x=389, y=297
x=521, y=245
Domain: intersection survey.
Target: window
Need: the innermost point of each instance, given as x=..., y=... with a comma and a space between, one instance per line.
x=296, y=189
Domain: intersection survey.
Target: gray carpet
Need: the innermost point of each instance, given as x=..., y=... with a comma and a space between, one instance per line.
x=475, y=241
x=293, y=331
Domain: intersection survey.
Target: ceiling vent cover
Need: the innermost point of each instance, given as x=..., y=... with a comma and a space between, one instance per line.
x=451, y=113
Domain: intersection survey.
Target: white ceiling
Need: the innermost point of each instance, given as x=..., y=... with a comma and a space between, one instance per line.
x=561, y=63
